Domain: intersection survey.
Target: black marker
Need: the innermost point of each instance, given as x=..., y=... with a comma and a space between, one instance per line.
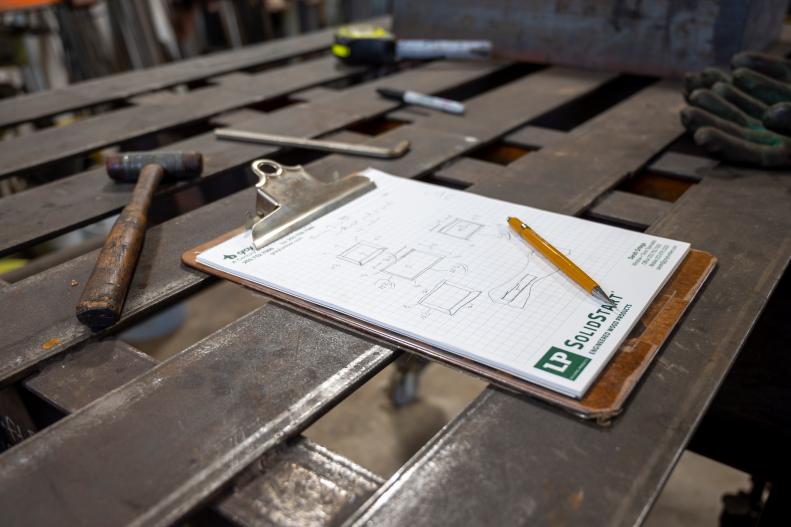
x=418, y=99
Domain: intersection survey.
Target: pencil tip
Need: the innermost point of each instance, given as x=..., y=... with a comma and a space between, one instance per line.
x=598, y=293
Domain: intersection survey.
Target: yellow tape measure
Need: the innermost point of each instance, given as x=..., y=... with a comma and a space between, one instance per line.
x=364, y=44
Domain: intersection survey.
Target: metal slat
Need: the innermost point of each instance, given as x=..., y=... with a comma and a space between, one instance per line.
x=86, y=197
x=296, y=479
x=92, y=92
x=610, y=476
x=630, y=209
x=25, y=152
x=469, y=171
x=88, y=373
x=163, y=279
x=150, y=451
x=159, y=276
x=535, y=137
x=487, y=117
x=596, y=155
x=682, y=165
x=300, y=483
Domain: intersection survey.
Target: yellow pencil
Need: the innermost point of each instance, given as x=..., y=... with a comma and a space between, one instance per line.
x=560, y=260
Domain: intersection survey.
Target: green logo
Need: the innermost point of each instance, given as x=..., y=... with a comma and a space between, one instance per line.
x=563, y=363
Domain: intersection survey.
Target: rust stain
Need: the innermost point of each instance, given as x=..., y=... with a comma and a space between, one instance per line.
x=576, y=499
x=51, y=343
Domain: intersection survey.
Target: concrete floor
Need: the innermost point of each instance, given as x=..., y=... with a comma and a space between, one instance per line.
x=367, y=429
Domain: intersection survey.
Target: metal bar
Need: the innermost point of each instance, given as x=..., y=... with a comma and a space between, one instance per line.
x=300, y=483
x=55, y=329
x=25, y=152
x=363, y=150
x=89, y=93
x=88, y=373
x=86, y=197
x=271, y=489
x=605, y=150
x=488, y=116
x=682, y=165
x=164, y=442
x=629, y=209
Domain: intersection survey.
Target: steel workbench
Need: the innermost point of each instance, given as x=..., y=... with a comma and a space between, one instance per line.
x=213, y=434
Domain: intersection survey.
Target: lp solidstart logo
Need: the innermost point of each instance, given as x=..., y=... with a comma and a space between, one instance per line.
x=563, y=363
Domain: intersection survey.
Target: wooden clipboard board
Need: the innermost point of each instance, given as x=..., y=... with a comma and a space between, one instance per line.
x=607, y=395
x=298, y=197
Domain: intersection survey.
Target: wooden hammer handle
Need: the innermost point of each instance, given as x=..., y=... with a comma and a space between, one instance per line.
x=104, y=294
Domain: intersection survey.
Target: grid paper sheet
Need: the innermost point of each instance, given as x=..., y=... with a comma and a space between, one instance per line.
x=443, y=266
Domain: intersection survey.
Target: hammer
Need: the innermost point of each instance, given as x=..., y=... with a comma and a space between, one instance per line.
x=104, y=294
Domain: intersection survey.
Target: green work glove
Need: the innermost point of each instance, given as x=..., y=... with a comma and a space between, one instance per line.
x=744, y=116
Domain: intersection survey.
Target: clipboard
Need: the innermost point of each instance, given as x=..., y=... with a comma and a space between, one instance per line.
x=300, y=199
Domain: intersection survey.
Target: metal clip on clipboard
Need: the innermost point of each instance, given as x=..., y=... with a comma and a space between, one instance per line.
x=287, y=198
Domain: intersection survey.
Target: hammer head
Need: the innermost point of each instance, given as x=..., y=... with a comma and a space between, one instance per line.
x=126, y=167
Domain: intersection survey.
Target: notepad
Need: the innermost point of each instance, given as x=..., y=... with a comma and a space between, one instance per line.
x=443, y=267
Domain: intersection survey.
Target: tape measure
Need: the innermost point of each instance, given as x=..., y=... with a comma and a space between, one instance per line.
x=372, y=45
x=364, y=44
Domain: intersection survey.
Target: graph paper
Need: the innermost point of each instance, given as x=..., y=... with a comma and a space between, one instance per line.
x=442, y=266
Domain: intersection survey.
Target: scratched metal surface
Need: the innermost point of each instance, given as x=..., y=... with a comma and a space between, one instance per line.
x=297, y=480
x=628, y=209
x=674, y=37
x=587, y=476
x=298, y=483
x=572, y=473
x=160, y=276
x=487, y=117
x=88, y=373
x=23, y=153
x=115, y=87
x=82, y=198
x=149, y=452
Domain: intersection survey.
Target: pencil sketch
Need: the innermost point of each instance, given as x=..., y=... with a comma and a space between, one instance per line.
x=412, y=264
x=515, y=292
x=384, y=284
x=459, y=228
x=448, y=298
x=361, y=253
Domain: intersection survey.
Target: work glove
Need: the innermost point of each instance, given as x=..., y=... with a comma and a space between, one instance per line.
x=744, y=116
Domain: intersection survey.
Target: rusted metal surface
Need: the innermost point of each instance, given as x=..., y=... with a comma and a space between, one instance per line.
x=596, y=154
x=682, y=165
x=25, y=152
x=300, y=483
x=16, y=423
x=535, y=137
x=469, y=171
x=487, y=116
x=675, y=37
x=88, y=373
x=751, y=408
x=150, y=451
x=298, y=479
x=159, y=277
x=632, y=210
x=86, y=197
x=166, y=443
x=92, y=92
x=608, y=476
